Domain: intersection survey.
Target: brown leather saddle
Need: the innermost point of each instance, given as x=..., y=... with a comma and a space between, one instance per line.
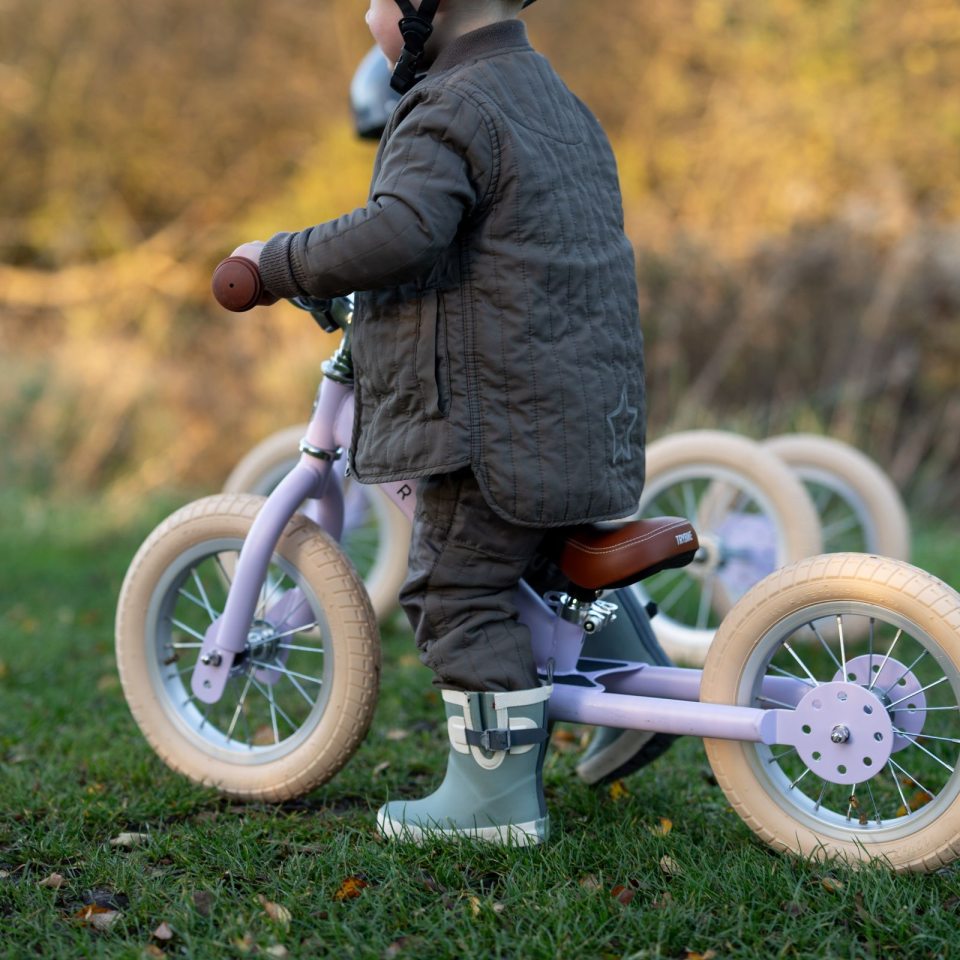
x=605, y=557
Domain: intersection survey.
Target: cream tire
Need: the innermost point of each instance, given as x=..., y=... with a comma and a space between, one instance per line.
x=909, y=611
x=840, y=473
x=302, y=740
x=260, y=470
x=703, y=475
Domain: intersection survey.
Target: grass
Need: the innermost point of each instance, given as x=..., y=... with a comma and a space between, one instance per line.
x=310, y=878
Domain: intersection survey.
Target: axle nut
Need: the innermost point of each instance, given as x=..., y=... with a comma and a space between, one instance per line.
x=840, y=733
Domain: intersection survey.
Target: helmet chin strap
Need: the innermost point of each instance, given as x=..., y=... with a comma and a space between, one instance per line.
x=416, y=27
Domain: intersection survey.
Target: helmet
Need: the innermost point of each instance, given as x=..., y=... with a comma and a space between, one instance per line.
x=371, y=97
x=416, y=27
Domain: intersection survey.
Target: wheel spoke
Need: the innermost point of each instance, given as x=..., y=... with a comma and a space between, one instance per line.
x=929, y=753
x=237, y=712
x=876, y=809
x=915, y=692
x=802, y=775
x=824, y=644
x=853, y=803
x=203, y=595
x=293, y=646
x=290, y=675
x=689, y=502
x=843, y=651
x=269, y=697
x=838, y=527
x=885, y=659
x=294, y=630
x=706, y=596
x=675, y=594
x=923, y=653
x=896, y=781
x=792, y=676
x=803, y=666
x=189, y=630
x=912, y=779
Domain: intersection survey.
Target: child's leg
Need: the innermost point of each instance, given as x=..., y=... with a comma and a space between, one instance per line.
x=465, y=563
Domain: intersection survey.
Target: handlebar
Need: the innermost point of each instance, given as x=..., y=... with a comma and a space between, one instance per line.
x=237, y=285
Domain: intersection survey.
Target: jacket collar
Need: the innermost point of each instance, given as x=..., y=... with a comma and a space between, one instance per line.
x=495, y=38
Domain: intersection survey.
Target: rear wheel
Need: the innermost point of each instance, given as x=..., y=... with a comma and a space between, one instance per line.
x=751, y=514
x=302, y=693
x=860, y=509
x=865, y=653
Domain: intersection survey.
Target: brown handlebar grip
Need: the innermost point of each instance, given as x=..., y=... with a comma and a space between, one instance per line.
x=237, y=285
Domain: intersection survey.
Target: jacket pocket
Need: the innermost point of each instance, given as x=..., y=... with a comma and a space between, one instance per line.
x=431, y=360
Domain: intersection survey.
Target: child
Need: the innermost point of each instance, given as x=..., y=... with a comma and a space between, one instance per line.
x=498, y=360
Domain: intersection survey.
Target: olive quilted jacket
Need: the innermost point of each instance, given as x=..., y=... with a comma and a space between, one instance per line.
x=496, y=323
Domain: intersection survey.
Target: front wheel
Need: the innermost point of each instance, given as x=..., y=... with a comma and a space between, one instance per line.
x=301, y=694
x=865, y=653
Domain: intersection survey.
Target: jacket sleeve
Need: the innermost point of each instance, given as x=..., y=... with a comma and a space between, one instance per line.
x=434, y=171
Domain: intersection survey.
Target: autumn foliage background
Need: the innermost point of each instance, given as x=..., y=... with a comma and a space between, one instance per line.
x=791, y=178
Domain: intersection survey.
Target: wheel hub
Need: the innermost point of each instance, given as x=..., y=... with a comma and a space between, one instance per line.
x=842, y=732
x=262, y=641
x=897, y=689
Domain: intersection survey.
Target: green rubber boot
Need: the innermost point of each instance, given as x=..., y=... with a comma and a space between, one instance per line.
x=614, y=753
x=493, y=788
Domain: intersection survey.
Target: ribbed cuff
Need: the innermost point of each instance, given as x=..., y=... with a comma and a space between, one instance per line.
x=276, y=269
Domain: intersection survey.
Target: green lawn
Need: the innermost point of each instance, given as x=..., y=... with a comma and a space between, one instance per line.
x=662, y=868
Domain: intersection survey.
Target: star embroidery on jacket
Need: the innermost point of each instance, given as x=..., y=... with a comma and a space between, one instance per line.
x=622, y=421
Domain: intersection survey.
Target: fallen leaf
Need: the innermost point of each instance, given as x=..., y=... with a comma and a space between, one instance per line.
x=564, y=741
x=128, y=841
x=246, y=943
x=618, y=790
x=277, y=950
x=791, y=908
x=380, y=768
x=92, y=915
x=474, y=906
x=831, y=885
x=397, y=734
x=163, y=932
x=275, y=911
x=662, y=828
x=499, y=907
x=203, y=902
x=695, y=955
x=663, y=901
x=624, y=894
x=590, y=882
x=54, y=882
x=350, y=888
x=152, y=951
x=670, y=866
x=109, y=681
x=394, y=949
x=919, y=799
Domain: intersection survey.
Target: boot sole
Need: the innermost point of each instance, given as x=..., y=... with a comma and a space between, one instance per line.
x=512, y=834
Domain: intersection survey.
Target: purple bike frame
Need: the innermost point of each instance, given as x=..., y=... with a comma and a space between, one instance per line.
x=618, y=694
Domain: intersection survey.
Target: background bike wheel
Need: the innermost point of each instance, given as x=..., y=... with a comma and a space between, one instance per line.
x=301, y=696
x=376, y=535
x=860, y=509
x=907, y=813
x=751, y=514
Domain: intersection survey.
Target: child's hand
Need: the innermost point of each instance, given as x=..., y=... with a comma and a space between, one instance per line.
x=250, y=251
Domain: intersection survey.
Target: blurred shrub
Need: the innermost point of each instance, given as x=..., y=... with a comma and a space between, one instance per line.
x=791, y=174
